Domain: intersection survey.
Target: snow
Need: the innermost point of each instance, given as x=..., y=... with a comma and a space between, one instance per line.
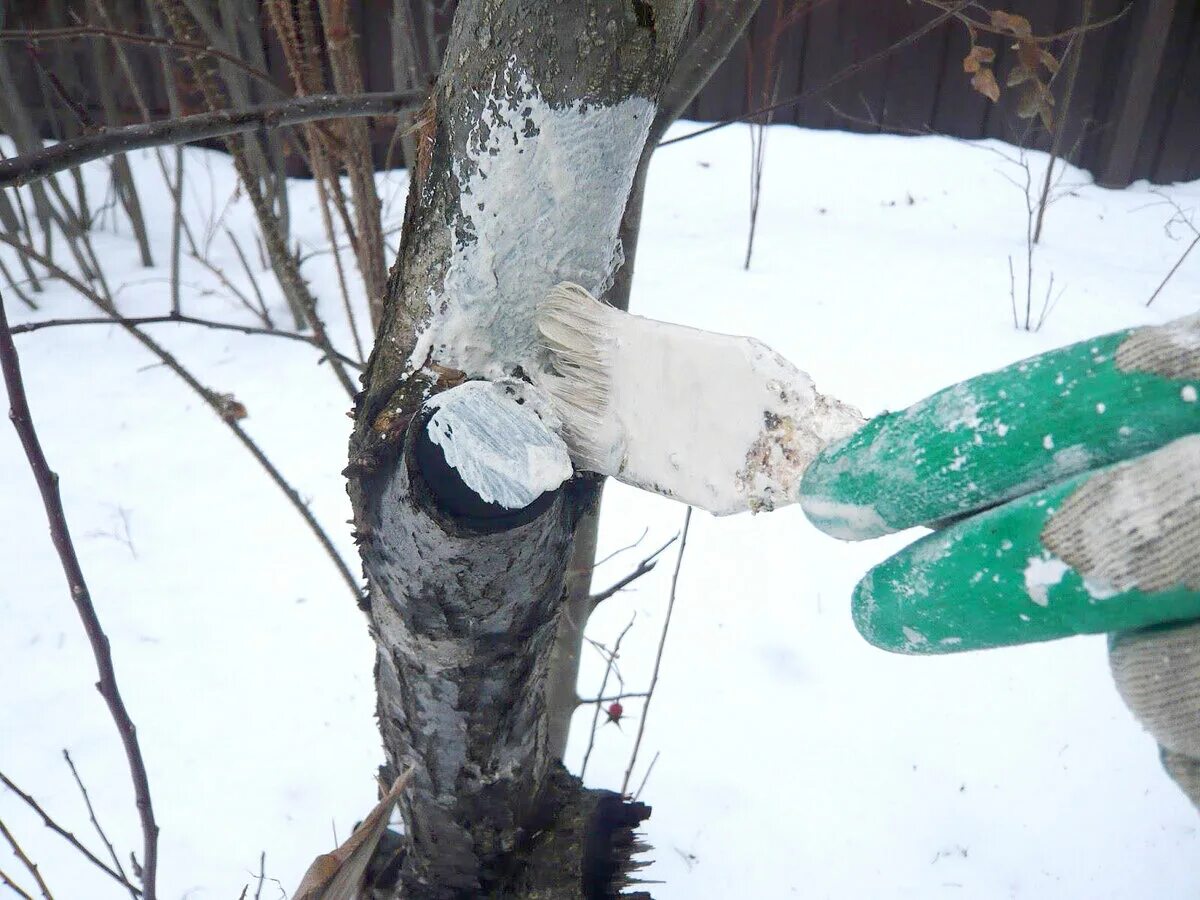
x=792, y=759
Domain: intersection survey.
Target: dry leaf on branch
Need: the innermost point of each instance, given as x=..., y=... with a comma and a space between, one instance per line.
x=978, y=58
x=985, y=82
x=339, y=875
x=1018, y=26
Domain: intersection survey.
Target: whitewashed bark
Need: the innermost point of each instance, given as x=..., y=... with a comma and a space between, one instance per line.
x=538, y=124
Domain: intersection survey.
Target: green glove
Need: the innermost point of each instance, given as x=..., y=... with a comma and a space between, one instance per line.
x=1067, y=491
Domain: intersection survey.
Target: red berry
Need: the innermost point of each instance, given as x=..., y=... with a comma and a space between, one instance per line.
x=615, y=711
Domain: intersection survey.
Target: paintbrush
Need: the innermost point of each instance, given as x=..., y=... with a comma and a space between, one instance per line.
x=720, y=422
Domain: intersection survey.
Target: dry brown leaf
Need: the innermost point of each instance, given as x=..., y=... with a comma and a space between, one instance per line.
x=1018, y=75
x=338, y=875
x=1048, y=60
x=230, y=408
x=985, y=82
x=1029, y=104
x=1029, y=55
x=1016, y=25
x=977, y=59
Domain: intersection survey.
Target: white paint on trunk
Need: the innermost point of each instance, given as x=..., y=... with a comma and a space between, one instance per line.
x=723, y=423
x=542, y=192
x=497, y=443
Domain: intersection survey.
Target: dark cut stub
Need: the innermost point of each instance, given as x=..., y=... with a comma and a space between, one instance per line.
x=485, y=456
x=456, y=498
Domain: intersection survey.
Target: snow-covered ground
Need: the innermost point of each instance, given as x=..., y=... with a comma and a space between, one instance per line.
x=791, y=759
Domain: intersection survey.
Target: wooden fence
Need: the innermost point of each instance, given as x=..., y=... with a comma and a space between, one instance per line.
x=1134, y=113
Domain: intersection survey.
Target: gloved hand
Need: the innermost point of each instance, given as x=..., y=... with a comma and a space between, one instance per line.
x=1065, y=491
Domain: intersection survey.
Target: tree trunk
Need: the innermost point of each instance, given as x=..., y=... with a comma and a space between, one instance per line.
x=523, y=172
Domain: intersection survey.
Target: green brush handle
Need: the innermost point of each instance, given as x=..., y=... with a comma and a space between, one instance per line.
x=988, y=582
x=1034, y=431
x=995, y=437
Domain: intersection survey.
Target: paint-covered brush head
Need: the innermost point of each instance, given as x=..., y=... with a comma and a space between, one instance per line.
x=721, y=422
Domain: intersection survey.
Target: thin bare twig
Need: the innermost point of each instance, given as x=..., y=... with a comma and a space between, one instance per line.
x=610, y=664
x=646, y=565
x=60, y=533
x=237, y=292
x=646, y=777
x=987, y=26
x=262, y=304
x=177, y=227
x=1174, y=269
x=16, y=888
x=662, y=642
x=87, y=801
x=171, y=318
x=262, y=874
x=20, y=170
x=1012, y=291
x=1182, y=216
x=1076, y=51
x=701, y=56
x=625, y=695
x=837, y=79
x=132, y=37
x=641, y=537
x=66, y=835
x=16, y=288
x=30, y=865
x=212, y=399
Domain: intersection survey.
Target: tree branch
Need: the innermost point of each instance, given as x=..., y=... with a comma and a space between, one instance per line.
x=66, y=835
x=16, y=888
x=47, y=482
x=211, y=398
x=182, y=319
x=911, y=38
x=609, y=664
x=29, y=864
x=703, y=55
x=662, y=643
x=19, y=170
x=131, y=37
x=646, y=565
x=87, y=801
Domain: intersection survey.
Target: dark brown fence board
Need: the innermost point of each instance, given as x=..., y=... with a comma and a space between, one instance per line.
x=822, y=59
x=1177, y=160
x=913, y=74
x=961, y=110
x=1135, y=92
x=865, y=32
x=1113, y=44
x=1079, y=123
x=1175, y=56
x=1135, y=111
x=793, y=85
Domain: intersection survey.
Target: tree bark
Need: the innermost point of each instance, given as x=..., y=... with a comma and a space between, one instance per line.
x=535, y=132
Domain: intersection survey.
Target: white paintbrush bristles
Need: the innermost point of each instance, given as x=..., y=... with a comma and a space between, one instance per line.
x=723, y=423
x=576, y=329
